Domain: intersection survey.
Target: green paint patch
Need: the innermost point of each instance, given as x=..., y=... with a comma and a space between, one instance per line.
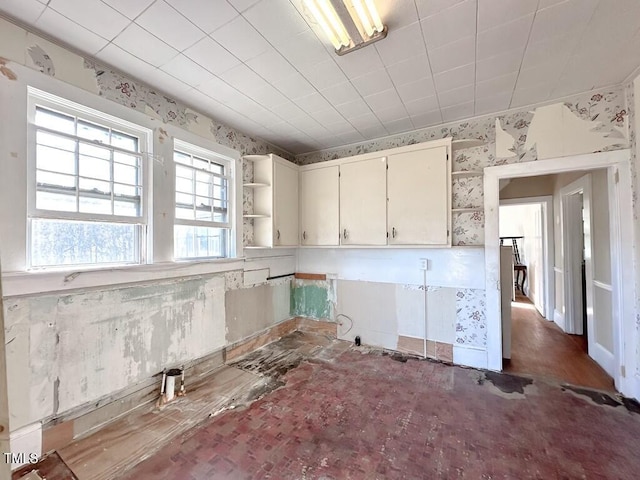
x=311, y=301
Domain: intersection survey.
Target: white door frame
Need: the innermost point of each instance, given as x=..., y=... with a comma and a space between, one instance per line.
x=573, y=236
x=623, y=283
x=5, y=467
x=548, y=246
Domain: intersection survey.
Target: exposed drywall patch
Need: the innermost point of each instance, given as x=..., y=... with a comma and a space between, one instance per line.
x=311, y=299
x=6, y=71
x=505, y=143
x=42, y=60
x=233, y=280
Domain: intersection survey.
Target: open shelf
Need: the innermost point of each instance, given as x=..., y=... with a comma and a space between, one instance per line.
x=255, y=157
x=462, y=143
x=255, y=185
x=467, y=173
x=255, y=215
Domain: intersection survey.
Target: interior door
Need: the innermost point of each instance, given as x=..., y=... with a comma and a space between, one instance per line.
x=363, y=202
x=418, y=190
x=285, y=231
x=319, y=203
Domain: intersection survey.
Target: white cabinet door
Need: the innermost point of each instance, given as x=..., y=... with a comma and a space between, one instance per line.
x=363, y=202
x=285, y=200
x=319, y=199
x=418, y=189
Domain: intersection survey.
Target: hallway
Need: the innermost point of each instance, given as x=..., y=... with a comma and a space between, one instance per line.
x=539, y=347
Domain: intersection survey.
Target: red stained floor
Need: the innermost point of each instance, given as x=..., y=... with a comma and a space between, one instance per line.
x=366, y=416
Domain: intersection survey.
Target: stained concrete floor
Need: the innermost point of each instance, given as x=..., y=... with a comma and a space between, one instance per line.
x=329, y=410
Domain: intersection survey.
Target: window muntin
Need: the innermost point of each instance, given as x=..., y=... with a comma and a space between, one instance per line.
x=202, y=213
x=87, y=204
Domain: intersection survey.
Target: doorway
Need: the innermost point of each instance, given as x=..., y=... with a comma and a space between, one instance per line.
x=621, y=298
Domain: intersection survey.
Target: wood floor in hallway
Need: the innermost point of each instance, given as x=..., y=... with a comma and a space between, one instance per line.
x=539, y=347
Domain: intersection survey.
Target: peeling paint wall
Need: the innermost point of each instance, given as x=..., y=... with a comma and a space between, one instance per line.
x=64, y=350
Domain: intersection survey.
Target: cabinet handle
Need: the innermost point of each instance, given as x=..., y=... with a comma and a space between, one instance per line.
x=304, y=235
x=278, y=234
x=345, y=235
x=393, y=232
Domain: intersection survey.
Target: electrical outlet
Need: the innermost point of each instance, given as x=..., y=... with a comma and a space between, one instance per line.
x=424, y=264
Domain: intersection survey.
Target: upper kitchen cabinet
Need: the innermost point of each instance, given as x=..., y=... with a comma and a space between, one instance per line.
x=363, y=202
x=275, y=201
x=319, y=206
x=419, y=205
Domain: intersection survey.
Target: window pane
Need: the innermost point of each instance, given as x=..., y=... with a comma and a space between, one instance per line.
x=203, y=189
x=126, y=208
x=125, y=174
x=95, y=186
x=55, y=121
x=131, y=160
x=184, y=213
x=91, y=204
x=217, y=168
x=56, y=201
x=58, y=242
x=183, y=172
x=91, y=131
x=126, y=190
x=200, y=163
x=48, y=179
x=199, y=242
x=184, y=199
x=94, y=151
x=122, y=140
x=180, y=157
x=95, y=168
x=55, y=160
x=184, y=185
x=51, y=140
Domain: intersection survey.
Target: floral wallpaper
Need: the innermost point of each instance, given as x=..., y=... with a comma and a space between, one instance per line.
x=471, y=324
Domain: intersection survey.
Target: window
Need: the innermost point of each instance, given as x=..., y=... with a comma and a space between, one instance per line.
x=86, y=196
x=203, y=221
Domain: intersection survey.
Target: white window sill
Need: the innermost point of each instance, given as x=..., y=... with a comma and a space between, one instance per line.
x=49, y=281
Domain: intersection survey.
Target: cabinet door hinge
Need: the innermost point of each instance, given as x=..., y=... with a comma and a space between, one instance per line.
x=617, y=176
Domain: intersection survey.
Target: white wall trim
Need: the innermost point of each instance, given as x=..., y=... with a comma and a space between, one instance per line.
x=558, y=318
x=622, y=207
x=602, y=285
x=470, y=356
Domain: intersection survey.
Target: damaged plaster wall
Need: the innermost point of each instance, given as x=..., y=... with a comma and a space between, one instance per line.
x=68, y=349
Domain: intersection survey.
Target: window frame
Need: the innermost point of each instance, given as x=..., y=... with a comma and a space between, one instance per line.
x=227, y=163
x=38, y=98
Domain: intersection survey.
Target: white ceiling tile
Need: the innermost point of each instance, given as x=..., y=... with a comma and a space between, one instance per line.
x=548, y=3
x=383, y=100
x=561, y=18
x=306, y=123
x=497, y=85
x=129, y=8
x=492, y=13
x=351, y=137
x=426, y=8
x=206, y=14
x=165, y=22
x=211, y=55
x=186, y=69
x=125, y=62
x=240, y=38
x=295, y=86
x=339, y=94
x=323, y=74
x=289, y=111
x=303, y=49
x=375, y=131
x=409, y=70
x=328, y=116
x=427, y=119
x=27, y=11
x=169, y=84
x=276, y=20
x=542, y=73
x=364, y=121
x=93, y=15
x=271, y=66
x=339, y=127
x=373, y=82
x=492, y=104
x=70, y=32
x=418, y=89
x=455, y=78
x=456, y=96
x=504, y=38
x=458, y=112
x=422, y=105
x=451, y=24
x=399, y=126
x=397, y=13
x=242, y=5
x=313, y=102
x=391, y=114
x=453, y=55
x=360, y=62
x=613, y=24
x=269, y=97
x=530, y=96
x=354, y=108
x=219, y=90
x=140, y=43
x=499, y=65
x=557, y=47
x=401, y=44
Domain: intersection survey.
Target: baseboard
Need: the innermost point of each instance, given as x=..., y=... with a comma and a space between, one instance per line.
x=436, y=350
x=558, y=319
x=604, y=358
x=321, y=327
x=470, y=356
x=260, y=339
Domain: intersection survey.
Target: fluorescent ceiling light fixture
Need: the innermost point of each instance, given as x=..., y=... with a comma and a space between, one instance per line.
x=348, y=24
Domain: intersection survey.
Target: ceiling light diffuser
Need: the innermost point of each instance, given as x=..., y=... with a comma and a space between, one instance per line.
x=348, y=24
